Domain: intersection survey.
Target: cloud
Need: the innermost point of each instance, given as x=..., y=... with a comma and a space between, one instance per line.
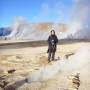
x=43, y=12
x=45, y=8
x=51, y=9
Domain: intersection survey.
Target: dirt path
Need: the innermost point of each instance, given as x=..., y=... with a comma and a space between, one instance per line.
x=27, y=59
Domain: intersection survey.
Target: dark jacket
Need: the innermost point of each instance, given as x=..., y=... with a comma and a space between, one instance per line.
x=52, y=43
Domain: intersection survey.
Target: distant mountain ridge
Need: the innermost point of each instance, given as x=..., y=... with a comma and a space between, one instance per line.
x=22, y=29
x=4, y=31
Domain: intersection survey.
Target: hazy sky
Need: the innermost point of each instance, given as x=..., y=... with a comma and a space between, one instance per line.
x=35, y=10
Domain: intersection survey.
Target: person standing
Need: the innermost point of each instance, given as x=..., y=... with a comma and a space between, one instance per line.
x=52, y=45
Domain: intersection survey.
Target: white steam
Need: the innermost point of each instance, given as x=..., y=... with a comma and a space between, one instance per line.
x=21, y=29
x=79, y=26
x=75, y=63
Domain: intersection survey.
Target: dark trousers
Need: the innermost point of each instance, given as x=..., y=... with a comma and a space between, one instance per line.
x=51, y=56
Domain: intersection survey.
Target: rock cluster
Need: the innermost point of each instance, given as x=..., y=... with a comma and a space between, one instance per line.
x=74, y=81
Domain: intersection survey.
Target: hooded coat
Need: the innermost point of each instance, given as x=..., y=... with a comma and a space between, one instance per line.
x=52, y=43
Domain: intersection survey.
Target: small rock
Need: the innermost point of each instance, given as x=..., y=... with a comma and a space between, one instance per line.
x=18, y=57
x=11, y=71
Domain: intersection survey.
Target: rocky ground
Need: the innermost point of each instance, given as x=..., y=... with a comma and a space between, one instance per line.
x=16, y=64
